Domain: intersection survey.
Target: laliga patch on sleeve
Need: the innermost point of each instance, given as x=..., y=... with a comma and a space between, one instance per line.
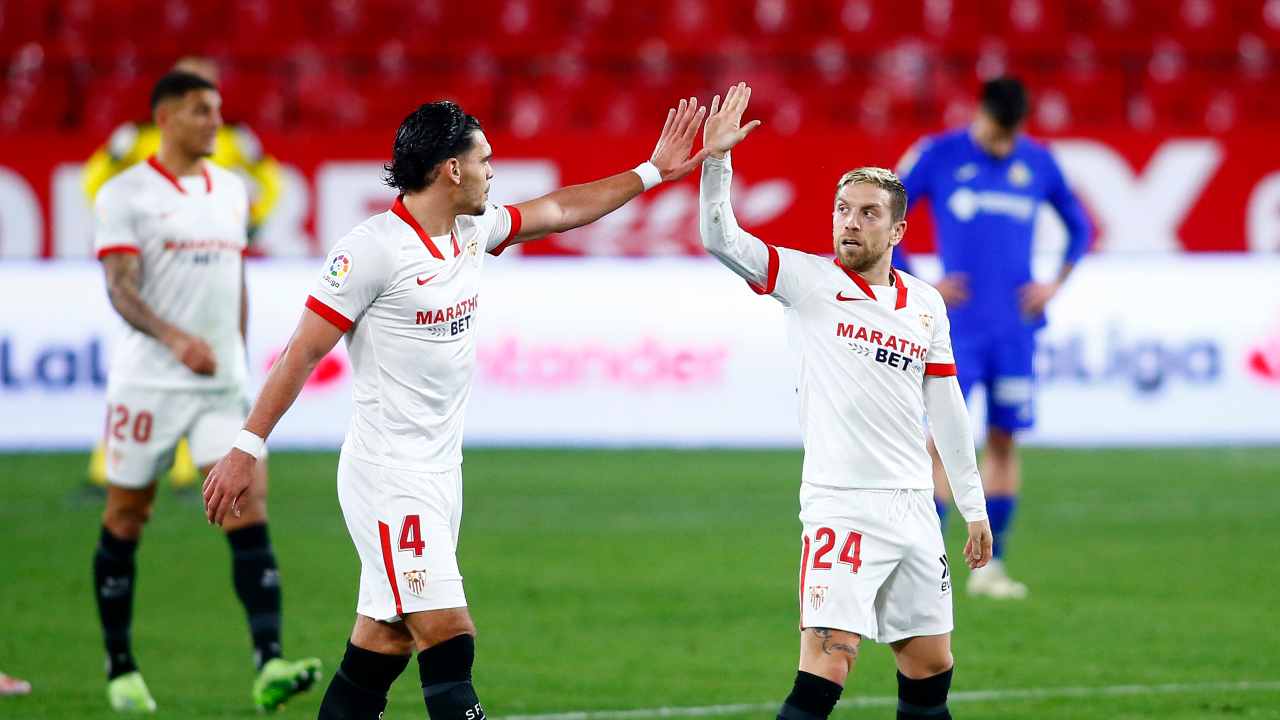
x=336, y=270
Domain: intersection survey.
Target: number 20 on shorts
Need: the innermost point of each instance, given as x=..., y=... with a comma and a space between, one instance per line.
x=850, y=552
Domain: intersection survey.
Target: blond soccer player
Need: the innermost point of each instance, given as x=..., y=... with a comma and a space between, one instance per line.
x=874, y=357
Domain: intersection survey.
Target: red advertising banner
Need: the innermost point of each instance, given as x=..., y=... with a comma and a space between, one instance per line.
x=1146, y=193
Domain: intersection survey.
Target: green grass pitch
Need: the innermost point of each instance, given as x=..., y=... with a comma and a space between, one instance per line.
x=642, y=579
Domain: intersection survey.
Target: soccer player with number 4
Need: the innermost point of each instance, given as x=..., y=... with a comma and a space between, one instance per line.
x=404, y=287
x=875, y=356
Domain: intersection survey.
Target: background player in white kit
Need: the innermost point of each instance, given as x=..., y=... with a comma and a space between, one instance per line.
x=874, y=355
x=170, y=232
x=403, y=287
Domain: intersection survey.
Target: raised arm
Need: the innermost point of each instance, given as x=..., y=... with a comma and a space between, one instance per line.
x=739, y=250
x=949, y=422
x=579, y=205
x=230, y=478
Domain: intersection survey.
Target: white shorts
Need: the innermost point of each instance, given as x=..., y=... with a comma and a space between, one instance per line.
x=405, y=528
x=144, y=426
x=873, y=563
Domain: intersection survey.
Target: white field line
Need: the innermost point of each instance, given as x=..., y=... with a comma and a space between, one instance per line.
x=1045, y=693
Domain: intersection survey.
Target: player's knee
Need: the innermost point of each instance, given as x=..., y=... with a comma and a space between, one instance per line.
x=126, y=521
x=440, y=633
x=925, y=667
x=1000, y=443
x=831, y=654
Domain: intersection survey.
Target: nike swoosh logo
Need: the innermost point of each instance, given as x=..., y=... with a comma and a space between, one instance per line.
x=424, y=282
x=840, y=296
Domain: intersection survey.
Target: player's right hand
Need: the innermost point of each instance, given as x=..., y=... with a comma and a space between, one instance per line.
x=954, y=289
x=723, y=128
x=977, y=549
x=226, y=484
x=194, y=353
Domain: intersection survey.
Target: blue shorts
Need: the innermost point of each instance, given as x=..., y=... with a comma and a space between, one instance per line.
x=1004, y=365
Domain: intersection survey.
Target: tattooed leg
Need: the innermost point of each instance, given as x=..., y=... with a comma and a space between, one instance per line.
x=829, y=653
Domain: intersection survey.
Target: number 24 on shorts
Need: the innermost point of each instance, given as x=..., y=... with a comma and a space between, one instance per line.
x=850, y=553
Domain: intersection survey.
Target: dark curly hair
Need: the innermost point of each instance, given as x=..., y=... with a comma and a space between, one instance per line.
x=430, y=135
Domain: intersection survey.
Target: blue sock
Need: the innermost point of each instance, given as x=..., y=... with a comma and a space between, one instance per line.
x=941, y=506
x=1000, y=512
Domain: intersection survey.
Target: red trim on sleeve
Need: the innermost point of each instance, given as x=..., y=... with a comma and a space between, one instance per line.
x=111, y=249
x=334, y=317
x=403, y=213
x=516, y=221
x=384, y=536
x=857, y=280
x=940, y=369
x=771, y=276
x=902, y=290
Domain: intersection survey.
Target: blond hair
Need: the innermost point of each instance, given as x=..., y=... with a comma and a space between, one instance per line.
x=883, y=179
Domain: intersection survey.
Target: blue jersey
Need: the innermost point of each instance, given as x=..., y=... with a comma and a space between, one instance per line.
x=984, y=209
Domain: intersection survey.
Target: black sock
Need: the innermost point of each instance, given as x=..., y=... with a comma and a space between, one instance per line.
x=445, y=670
x=113, y=581
x=811, y=697
x=359, y=689
x=925, y=698
x=257, y=581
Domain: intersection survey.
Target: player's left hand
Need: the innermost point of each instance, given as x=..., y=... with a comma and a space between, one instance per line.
x=977, y=550
x=226, y=485
x=1036, y=295
x=671, y=155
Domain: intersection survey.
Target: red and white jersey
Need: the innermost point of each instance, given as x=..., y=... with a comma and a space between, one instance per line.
x=863, y=352
x=407, y=303
x=190, y=235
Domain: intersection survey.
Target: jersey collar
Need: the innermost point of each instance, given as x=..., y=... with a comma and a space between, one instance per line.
x=154, y=162
x=403, y=213
x=896, y=279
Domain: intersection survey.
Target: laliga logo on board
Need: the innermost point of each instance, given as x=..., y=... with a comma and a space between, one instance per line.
x=1264, y=360
x=329, y=371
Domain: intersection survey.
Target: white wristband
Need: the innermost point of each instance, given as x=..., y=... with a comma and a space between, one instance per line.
x=649, y=174
x=251, y=444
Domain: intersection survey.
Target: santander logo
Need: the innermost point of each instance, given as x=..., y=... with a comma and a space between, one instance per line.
x=647, y=364
x=331, y=369
x=1264, y=360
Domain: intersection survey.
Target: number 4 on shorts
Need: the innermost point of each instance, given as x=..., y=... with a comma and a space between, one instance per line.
x=411, y=535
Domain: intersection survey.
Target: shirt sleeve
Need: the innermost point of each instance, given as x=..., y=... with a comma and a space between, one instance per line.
x=940, y=361
x=913, y=171
x=949, y=423
x=113, y=223
x=354, y=274
x=1068, y=207
x=501, y=224
x=768, y=270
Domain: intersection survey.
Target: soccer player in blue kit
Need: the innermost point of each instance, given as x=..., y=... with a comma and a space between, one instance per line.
x=985, y=183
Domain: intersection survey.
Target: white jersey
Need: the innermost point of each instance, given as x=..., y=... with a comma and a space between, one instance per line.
x=190, y=235
x=862, y=351
x=407, y=303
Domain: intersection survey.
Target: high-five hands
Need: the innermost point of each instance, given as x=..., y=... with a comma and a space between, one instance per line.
x=671, y=155
x=724, y=127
